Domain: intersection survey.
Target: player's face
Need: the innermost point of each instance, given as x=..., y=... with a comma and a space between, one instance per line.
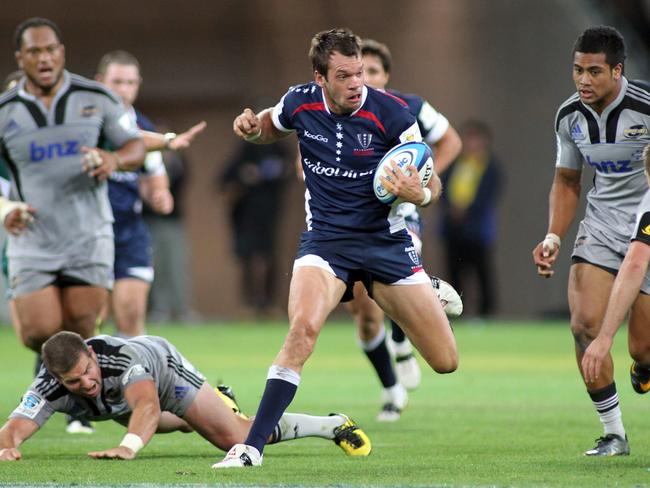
x=374, y=72
x=84, y=378
x=42, y=58
x=597, y=83
x=343, y=84
x=123, y=79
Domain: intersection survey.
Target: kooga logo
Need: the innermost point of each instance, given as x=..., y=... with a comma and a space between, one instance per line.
x=316, y=137
x=54, y=150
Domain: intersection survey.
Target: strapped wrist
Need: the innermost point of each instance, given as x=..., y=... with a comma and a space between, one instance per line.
x=133, y=442
x=552, y=239
x=253, y=137
x=427, y=197
x=169, y=137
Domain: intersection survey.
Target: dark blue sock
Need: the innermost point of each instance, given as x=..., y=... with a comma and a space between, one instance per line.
x=380, y=359
x=397, y=334
x=277, y=396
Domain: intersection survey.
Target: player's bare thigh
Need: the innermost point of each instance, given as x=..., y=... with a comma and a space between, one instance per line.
x=639, y=330
x=214, y=420
x=589, y=289
x=171, y=423
x=419, y=312
x=313, y=294
x=129, y=305
x=82, y=306
x=367, y=314
x=39, y=316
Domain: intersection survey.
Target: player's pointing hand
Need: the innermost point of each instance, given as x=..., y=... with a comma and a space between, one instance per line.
x=247, y=125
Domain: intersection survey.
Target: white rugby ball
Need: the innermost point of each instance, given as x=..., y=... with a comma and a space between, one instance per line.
x=418, y=154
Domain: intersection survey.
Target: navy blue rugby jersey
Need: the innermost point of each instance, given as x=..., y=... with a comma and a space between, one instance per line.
x=432, y=123
x=339, y=155
x=123, y=187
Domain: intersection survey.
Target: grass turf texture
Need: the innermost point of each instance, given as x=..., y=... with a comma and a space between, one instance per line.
x=514, y=414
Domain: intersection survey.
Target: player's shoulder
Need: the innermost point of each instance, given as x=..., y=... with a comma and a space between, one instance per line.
x=385, y=99
x=638, y=96
x=106, y=345
x=569, y=106
x=9, y=96
x=411, y=99
x=48, y=386
x=305, y=92
x=81, y=83
x=144, y=122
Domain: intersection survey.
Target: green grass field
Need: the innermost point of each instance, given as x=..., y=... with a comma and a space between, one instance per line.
x=514, y=414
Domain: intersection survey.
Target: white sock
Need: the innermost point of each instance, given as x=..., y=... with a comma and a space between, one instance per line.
x=396, y=395
x=610, y=415
x=298, y=425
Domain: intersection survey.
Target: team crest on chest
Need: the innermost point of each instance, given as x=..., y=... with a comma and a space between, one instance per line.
x=635, y=131
x=365, y=140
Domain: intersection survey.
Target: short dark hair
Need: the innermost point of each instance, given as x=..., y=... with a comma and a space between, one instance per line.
x=34, y=22
x=117, y=57
x=475, y=127
x=602, y=39
x=327, y=42
x=376, y=48
x=62, y=351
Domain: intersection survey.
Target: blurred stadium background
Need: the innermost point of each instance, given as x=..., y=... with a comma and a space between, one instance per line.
x=507, y=62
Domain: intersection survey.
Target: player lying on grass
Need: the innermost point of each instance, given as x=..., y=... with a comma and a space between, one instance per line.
x=145, y=384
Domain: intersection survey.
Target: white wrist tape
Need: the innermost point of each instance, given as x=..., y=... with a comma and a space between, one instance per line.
x=427, y=198
x=552, y=241
x=133, y=442
x=254, y=137
x=8, y=206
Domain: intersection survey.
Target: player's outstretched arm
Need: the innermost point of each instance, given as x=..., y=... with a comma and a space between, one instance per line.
x=155, y=141
x=624, y=291
x=257, y=128
x=154, y=190
x=12, y=434
x=142, y=397
x=563, y=204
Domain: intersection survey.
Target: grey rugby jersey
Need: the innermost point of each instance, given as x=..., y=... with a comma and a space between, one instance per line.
x=611, y=143
x=122, y=363
x=43, y=150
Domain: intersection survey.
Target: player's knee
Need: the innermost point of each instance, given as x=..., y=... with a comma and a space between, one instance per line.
x=304, y=330
x=446, y=365
x=583, y=334
x=368, y=329
x=33, y=339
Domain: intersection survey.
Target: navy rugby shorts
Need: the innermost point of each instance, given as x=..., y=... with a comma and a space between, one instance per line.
x=384, y=257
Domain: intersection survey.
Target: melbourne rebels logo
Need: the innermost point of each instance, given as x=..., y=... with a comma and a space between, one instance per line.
x=364, y=141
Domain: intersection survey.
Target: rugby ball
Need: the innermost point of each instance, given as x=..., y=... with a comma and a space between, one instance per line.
x=418, y=154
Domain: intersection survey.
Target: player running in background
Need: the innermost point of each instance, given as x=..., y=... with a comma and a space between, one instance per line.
x=134, y=273
x=60, y=265
x=626, y=290
x=605, y=126
x=145, y=384
x=344, y=129
x=436, y=131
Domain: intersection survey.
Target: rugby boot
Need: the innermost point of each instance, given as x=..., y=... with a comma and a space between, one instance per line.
x=610, y=445
x=349, y=437
x=640, y=378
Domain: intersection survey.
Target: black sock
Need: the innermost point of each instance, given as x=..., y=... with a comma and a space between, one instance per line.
x=398, y=334
x=377, y=353
x=277, y=396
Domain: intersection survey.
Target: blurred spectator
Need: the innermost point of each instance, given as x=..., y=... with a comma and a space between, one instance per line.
x=170, y=291
x=253, y=185
x=472, y=186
